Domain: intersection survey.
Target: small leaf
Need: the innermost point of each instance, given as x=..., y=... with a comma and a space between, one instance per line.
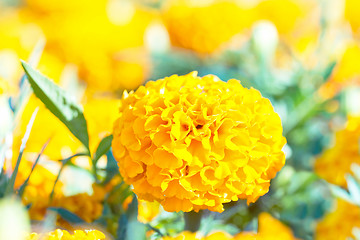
x=23, y=186
x=59, y=103
x=122, y=226
x=111, y=167
x=103, y=148
x=329, y=69
x=354, y=189
x=341, y=193
x=67, y=215
x=10, y=184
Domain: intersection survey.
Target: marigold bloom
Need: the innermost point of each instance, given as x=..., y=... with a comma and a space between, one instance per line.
x=352, y=8
x=204, y=28
x=65, y=235
x=346, y=72
x=195, y=143
x=335, y=162
x=148, y=211
x=269, y=229
x=106, y=60
x=340, y=223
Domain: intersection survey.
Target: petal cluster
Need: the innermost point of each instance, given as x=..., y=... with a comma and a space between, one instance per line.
x=195, y=143
x=335, y=162
x=65, y=235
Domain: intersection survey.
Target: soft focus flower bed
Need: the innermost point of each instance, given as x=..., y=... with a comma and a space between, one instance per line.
x=179, y=119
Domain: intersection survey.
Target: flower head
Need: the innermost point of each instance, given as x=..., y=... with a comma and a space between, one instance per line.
x=195, y=143
x=269, y=229
x=339, y=224
x=336, y=162
x=65, y=235
x=204, y=28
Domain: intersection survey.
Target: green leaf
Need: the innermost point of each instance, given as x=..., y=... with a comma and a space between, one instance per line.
x=341, y=193
x=135, y=230
x=10, y=184
x=23, y=186
x=59, y=103
x=328, y=70
x=111, y=167
x=67, y=215
x=354, y=188
x=103, y=148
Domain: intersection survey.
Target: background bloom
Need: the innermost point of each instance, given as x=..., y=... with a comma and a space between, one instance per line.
x=195, y=143
x=65, y=235
x=335, y=162
x=340, y=223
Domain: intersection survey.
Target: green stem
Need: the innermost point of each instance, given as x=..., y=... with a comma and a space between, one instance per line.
x=192, y=221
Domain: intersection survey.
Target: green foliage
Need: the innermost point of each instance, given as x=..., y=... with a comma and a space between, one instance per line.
x=59, y=103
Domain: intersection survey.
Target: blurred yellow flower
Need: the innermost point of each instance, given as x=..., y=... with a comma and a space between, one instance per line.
x=65, y=235
x=335, y=162
x=186, y=235
x=106, y=44
x=100, y=113
x=195, y=143
x=46, y=127
x=87, y=207
x=39, y=187
x=340, y=223
x=147, y=211
x=346, y=72
x=205, y=28
x=352, y=8
x=285, y=14
x=269, y=229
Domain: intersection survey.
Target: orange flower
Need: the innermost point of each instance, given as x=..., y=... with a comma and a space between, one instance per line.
x=339, y=223
x=336, y=162
x=269, y=229
x=195, y=143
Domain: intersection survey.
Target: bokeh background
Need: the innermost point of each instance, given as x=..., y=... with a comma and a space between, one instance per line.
x=304, y=55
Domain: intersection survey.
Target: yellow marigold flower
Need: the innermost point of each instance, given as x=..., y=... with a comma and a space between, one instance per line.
x=269, y=229
x=186, y=235
x=99, y=112
x=62, y=143
x=346, y=72
x=65, y=235
x=352, y=8
x=87, y=207
x=38, y=189
x=335, y=162
x=340, y=223
x=148, y=211
x=205, y=28
x=195, y=143
x=107, y=61
x=283, y=13
x=46, y=127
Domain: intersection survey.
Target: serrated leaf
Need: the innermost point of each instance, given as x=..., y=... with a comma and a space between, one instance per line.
x=67, y=215
x=103, y=148
x=59, y=103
